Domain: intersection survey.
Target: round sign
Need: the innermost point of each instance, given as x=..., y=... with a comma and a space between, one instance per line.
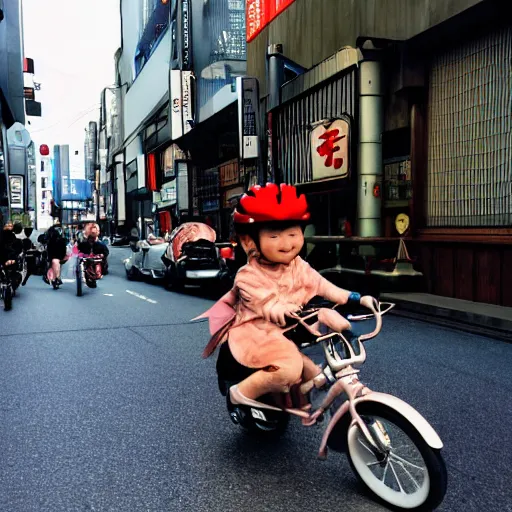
x=402, y=223
x=44, y=150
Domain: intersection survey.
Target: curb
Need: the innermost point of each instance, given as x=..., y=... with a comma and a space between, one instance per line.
x=482, y=325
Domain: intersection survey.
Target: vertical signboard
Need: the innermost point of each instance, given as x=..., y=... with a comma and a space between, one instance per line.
x=16, y=188
x=248, y=116
x=176, y=112
x=186, y=101
x=182, y=186
x=184, y=47
x=181, y=14
x=182, y=112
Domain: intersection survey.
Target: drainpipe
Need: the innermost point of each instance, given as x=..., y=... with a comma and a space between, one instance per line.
x=275, y=75
x=371, y=125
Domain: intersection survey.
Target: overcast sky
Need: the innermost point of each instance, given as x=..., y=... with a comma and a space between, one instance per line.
x=72, y=43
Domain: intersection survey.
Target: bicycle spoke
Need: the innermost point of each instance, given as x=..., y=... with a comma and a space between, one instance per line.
x=405, y=461
x=418, y=486
x=364, y=445
x=385, y=472
x=396, y=478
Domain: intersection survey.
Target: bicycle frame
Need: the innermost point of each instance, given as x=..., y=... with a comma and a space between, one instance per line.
x=347, y=382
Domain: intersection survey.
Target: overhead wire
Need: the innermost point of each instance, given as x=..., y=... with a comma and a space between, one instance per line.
x=81, y=114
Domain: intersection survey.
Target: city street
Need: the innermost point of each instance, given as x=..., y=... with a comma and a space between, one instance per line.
x=107, y=405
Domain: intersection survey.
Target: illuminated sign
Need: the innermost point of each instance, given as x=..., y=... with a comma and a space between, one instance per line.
x=259, y=13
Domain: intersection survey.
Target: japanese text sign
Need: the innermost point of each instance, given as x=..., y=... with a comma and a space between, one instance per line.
x=330, y=150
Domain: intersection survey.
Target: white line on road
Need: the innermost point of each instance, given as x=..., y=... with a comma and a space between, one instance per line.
x=108, y=294
x=142, y=297
x=68, y=280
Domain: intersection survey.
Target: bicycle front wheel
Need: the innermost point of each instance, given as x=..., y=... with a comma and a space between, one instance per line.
x=410, y=475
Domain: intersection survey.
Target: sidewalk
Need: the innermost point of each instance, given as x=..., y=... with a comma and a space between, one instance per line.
x=474, y=317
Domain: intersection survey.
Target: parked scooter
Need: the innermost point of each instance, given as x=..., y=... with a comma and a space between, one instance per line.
x=389, y=445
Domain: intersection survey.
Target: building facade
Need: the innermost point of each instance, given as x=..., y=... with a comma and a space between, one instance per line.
x=404, y=132
x=12, y=107
x=168, y=137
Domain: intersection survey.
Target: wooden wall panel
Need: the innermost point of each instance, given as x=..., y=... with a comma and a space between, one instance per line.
x=464, y=273
x=443, y=275
x=425, y=265
x=506, y=277
x=488, y=275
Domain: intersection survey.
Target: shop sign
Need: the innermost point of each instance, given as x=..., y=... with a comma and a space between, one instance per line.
x=182, y=186
x=248, y=116
x=185, y=20
x=231, y=197
x=186, y=101
x=16, y=187
x=330, y=149
x=181, y=102
x=259, y=13
x=176, y=112
x=229, y=174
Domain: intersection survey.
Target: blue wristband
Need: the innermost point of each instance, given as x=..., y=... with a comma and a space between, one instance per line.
x=354, y=297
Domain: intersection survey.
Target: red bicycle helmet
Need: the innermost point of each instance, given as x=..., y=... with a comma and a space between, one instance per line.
x=271, y=203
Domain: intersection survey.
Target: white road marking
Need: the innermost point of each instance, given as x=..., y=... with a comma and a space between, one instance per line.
x=142, y=297
x=68, y=280
x=108, y=294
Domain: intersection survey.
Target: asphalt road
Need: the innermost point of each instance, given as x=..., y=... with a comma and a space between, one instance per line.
x=106, y=405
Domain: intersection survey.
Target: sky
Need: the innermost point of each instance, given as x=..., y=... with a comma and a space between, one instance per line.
x=73, y=43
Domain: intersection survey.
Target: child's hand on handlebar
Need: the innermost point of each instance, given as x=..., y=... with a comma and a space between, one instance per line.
x=280, y=311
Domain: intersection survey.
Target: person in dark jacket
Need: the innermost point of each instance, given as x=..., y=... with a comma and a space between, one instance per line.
x=56, y=247
x=94, y=245
x=10, y=246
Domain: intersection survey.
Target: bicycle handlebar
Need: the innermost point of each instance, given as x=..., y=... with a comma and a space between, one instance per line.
x=377, y=310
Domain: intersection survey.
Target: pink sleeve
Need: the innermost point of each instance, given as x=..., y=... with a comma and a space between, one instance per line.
x=318, y=285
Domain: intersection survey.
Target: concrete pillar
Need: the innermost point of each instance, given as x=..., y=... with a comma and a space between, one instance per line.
x=371, y=124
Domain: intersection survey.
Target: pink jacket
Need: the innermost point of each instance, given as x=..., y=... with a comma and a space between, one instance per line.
x=240, y=315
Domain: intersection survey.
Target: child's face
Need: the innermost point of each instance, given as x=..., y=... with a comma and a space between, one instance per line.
x=282, y=245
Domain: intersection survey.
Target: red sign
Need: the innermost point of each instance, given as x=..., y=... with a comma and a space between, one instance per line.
x=44, y=150
x=259, y=13
x=330, y=149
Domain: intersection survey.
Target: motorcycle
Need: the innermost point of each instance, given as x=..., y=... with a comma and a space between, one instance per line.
x=88, y=270
x=7, y=287
x=393, y=450
x=11, y=277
